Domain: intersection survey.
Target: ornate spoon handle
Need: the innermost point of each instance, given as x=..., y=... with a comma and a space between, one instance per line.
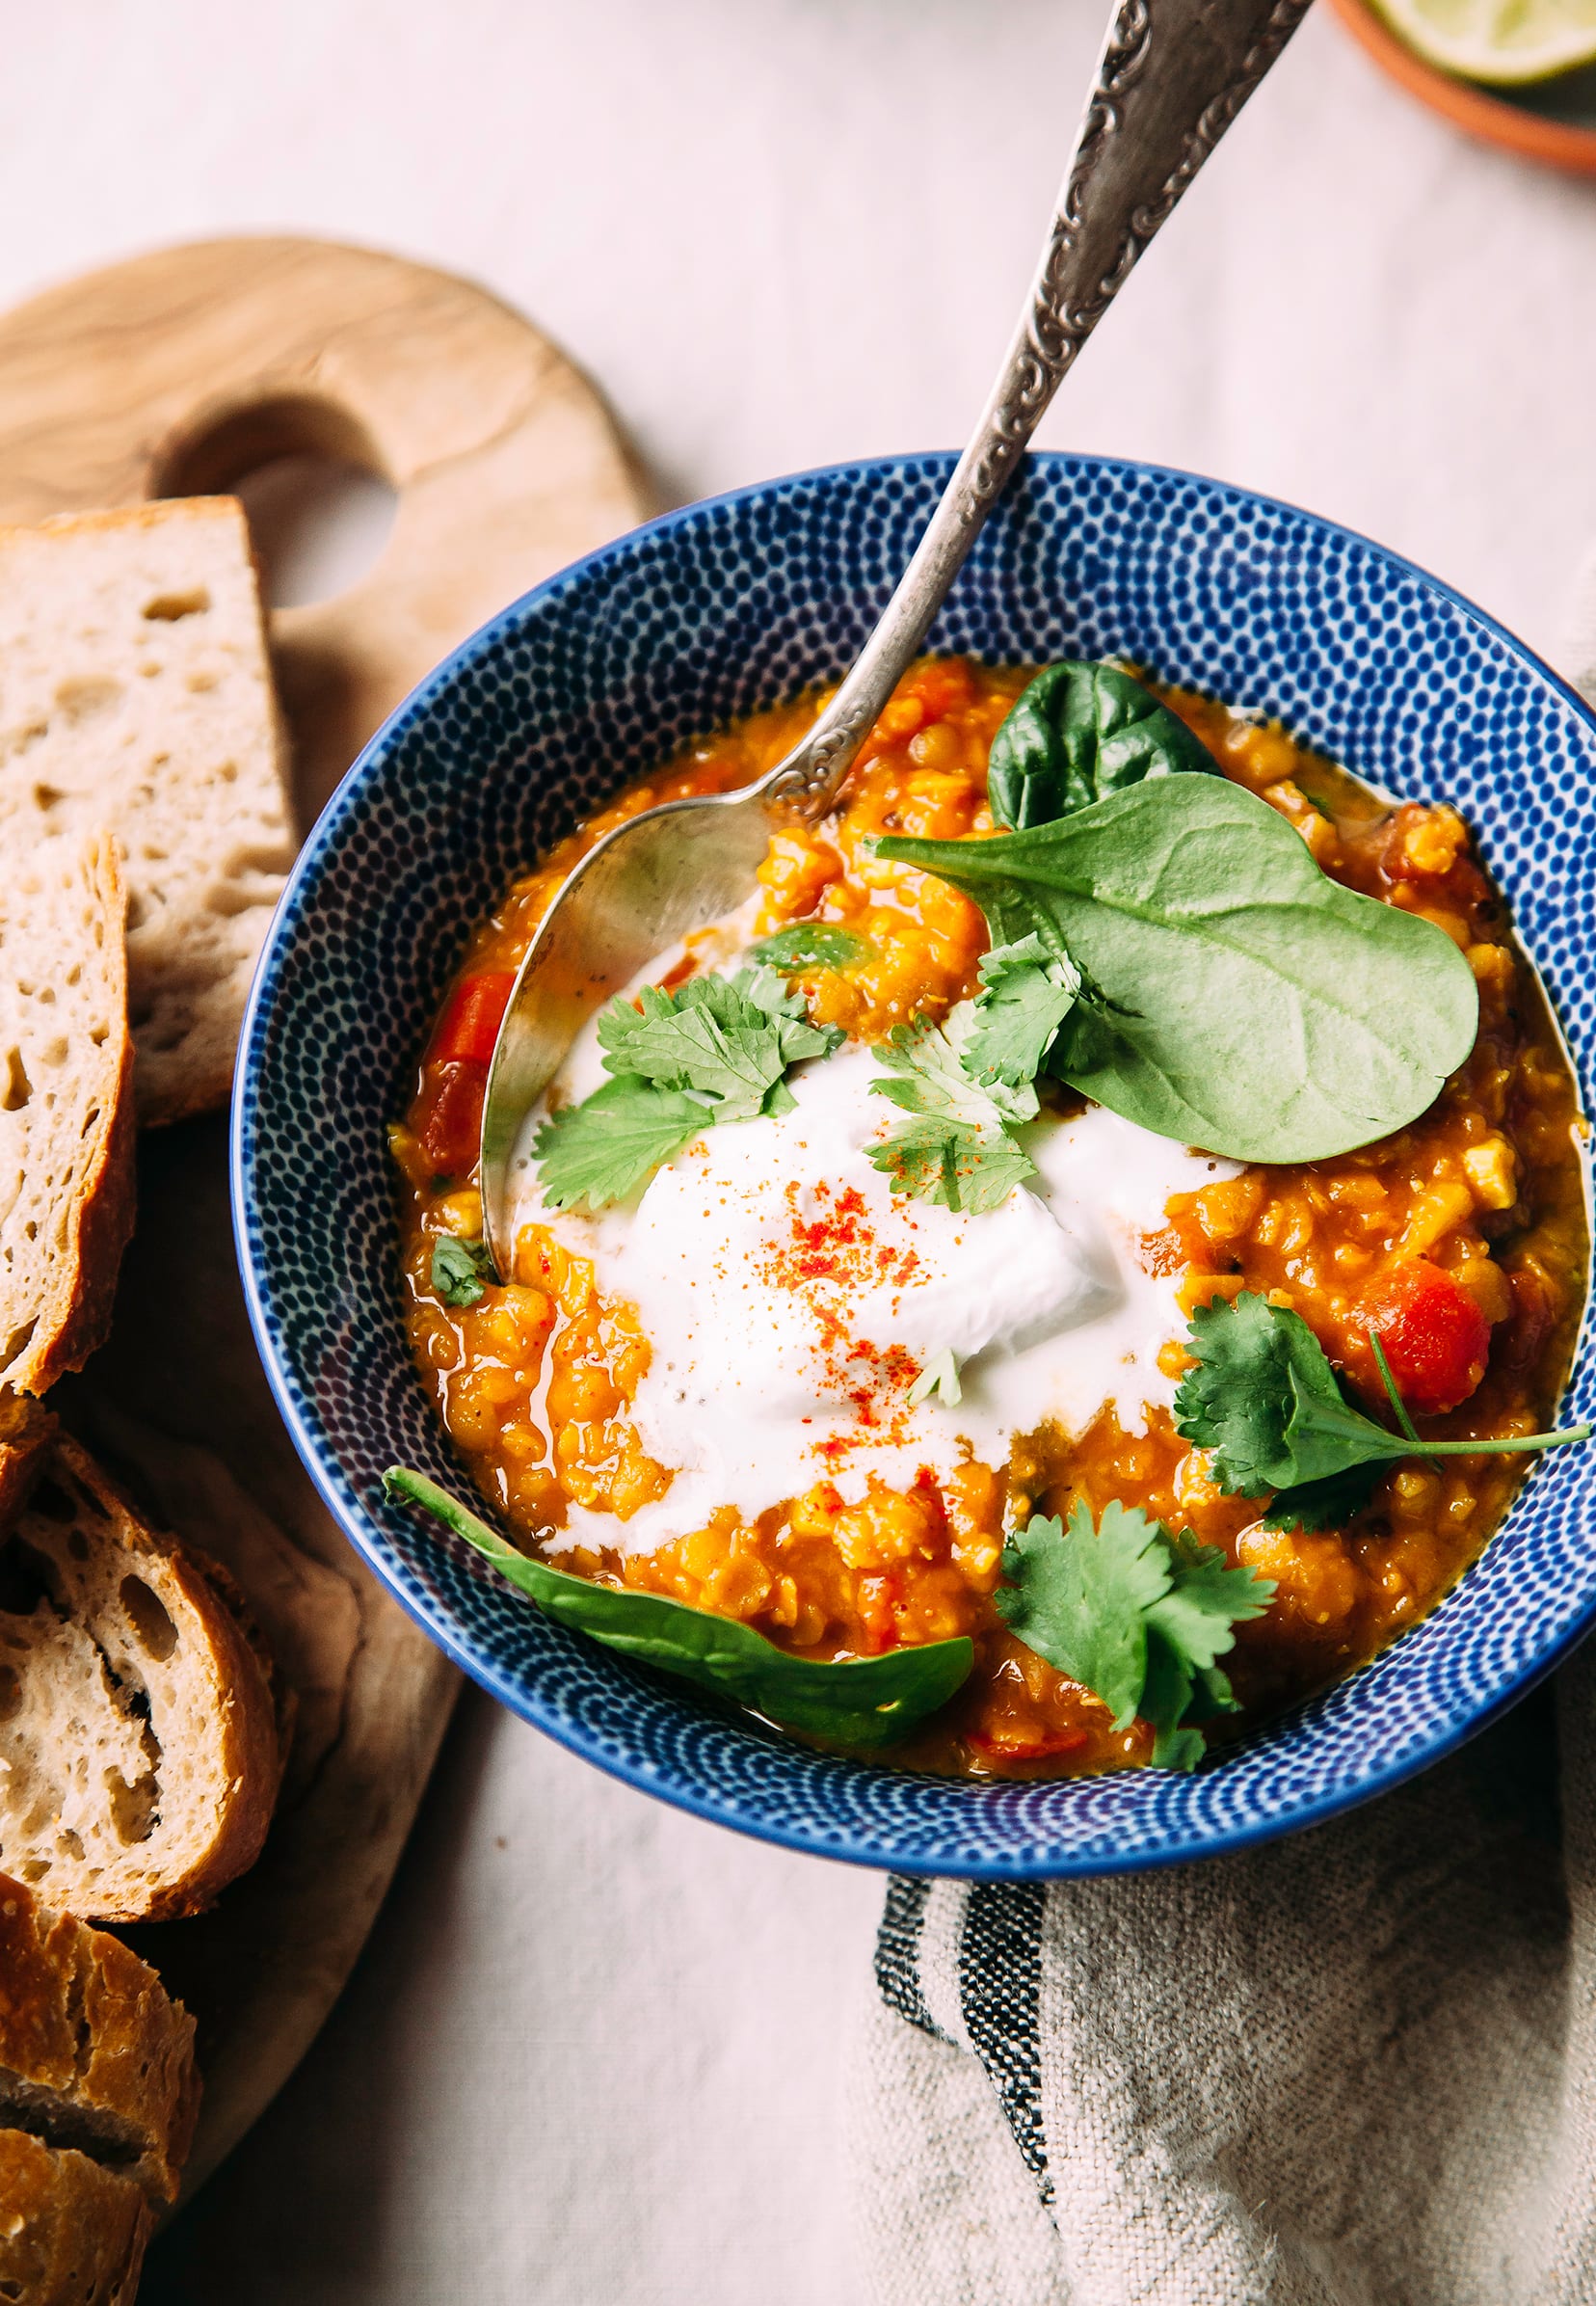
x=1172, y=76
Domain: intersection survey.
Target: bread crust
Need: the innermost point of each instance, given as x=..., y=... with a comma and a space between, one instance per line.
x=92, y=2048
x=251, y=1714
x=26, y=1432
x=285, y=1701
x=72, y=2233
x=77, y=1318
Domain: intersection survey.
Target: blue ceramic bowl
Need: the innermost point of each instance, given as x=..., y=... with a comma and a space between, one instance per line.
x=608, y=670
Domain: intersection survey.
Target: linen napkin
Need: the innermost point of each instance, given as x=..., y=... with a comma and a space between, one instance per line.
x=1353, y=2068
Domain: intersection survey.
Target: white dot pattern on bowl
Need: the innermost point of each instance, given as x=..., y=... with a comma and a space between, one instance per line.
x=608, y=670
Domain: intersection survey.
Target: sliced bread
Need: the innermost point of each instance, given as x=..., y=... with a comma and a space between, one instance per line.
x=135, y=693
x=26, y=1432
x=72, y=2233
x=95, y=2055
x=141, y=1739
x=66, y=1121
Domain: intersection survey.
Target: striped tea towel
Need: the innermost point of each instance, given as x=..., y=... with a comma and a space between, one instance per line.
x=1353, y=2068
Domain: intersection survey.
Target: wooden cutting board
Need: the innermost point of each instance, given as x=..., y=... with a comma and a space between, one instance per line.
x=176, y=374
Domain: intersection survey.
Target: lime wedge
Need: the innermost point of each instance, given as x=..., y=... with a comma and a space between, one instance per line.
x=1505, y=42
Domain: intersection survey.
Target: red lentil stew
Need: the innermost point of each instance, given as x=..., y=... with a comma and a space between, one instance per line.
x=1456, y=1244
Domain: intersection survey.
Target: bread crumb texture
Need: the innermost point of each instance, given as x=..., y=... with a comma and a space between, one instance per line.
x=140, y=1749
x=26, y=1432
x=135, y=695
x=66, y=1106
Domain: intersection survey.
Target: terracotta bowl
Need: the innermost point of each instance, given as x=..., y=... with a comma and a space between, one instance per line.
x=1554, y=122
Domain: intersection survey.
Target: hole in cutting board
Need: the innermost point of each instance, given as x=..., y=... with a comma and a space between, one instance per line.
x=319, y=507
x=318, y=525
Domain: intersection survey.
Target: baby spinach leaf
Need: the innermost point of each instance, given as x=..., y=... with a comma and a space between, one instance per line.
x=1264, y=1398
x=809, y=945
x=1133, y=1614
x=458, y=1268
x=1243, y=1001
x=1078, y=733
x=862, y=1702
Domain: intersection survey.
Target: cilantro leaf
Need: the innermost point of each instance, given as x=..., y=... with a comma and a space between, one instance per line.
x=1028, y=993
x=1265, y=1399
x=715, y=1050
x=1165, y=1702
x=1327, y=1504
x=458, y=1268
x=951, y=1164
x=1210, y=1694
x=1136, y=1615
x=955, y=1149
x=796, y=1038
x=1079, y=1597
x=927, y=1062
x=810, y=945
x=1186, y=1631
x=601, y=1151
x=941, y=1377
x=1207, y=1599
x=730, y=1040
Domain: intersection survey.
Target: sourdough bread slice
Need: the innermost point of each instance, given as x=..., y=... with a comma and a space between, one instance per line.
x=26, y=1432
x=95, y=2055
x=72, y=2232
x=66, y=1106
x=142, y=1742
x=135, y=693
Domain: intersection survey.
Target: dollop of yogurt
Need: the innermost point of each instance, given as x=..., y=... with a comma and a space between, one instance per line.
x=790, y=1296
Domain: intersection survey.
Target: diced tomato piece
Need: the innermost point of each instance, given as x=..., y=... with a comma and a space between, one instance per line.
x=451, y=1123
x=1044, y=1746
x=1435, y=1336
x=469, y=1026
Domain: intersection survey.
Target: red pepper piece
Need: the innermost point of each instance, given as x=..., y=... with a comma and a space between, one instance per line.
x=469, y=1026
x=1435, y=1336
x=451, y=1125
x=1044, y=1746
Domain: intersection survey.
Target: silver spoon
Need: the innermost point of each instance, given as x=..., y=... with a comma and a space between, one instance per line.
x=1172, y=76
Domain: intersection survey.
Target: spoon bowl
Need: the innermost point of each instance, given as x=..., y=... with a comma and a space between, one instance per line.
x=636, y=892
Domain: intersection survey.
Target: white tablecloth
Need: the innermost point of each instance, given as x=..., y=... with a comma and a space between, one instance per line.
x=592, y=2057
